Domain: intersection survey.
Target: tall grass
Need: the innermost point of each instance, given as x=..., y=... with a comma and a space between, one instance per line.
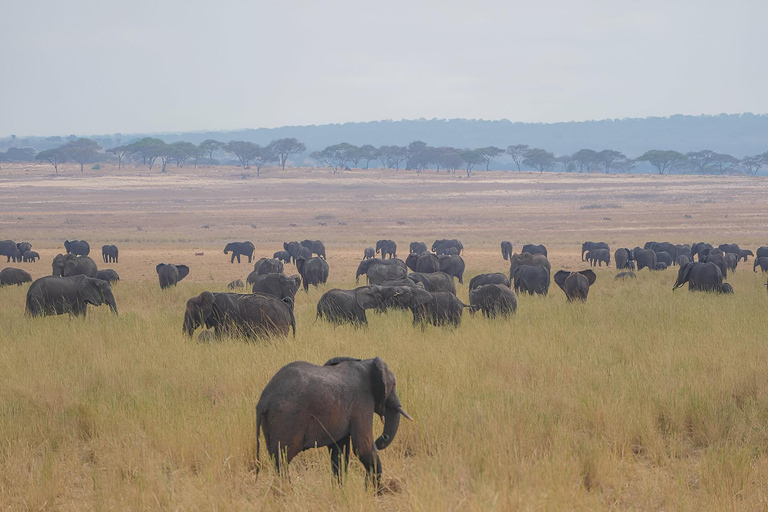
x=640, y=399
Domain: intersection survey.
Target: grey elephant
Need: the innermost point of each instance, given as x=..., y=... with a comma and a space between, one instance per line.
x=440, y=247
x=71, y=265
x=369, y=253
x=240, y=314
x=664, y=257
x=77, y=247
x=705, y=277
x=346, y=306
x=717, y=257
x=418, y=248
x=17, y=276
x=30, y=256
x=682, y=260
x=267, y=266
x=425, y=262
x=8, y=248
x=660, y=266
x=236, y=284
x=277, y=285
x=24, y=247
x=306, y=406
x=110, y=253
x=534, y=249
x=597, y=257
x=731, y=261
x=623, y=257
x=434, y=282
x=526, y=258
x=313, y=271
x=575, y=284
x=761, y=262
x=283, y=256
x=108, y=275
x=506, y=250
x=305, y=252
x=762, y=252
x=453, y=265
x=18, y=256
x=293, y=248
x=531, y=279
x=436, y=308
x=483, y=279
x=591, y=246
x=658, y=247
x=645, y=258
x=240, y=249
x=744, y=255
x=170, y=274
x=58, y=295
x=493, y=300
x=625, y=275
x=366, y=268
x=386, y=247
x=315, y=247
x=700, y=249
x=729, y=248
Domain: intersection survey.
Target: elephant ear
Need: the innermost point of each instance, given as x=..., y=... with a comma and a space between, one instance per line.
x=560, y=277
x=589, y=274
x=159, y=266
x=420, y=297
x=682, y=275
x=90, y=291
x=183, y=271
x=366, y=298
x=382, y=384
x=300, y=264
x=206, y=304
x=338, y=360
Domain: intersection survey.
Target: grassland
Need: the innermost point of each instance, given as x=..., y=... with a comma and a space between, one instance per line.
x=640, y=399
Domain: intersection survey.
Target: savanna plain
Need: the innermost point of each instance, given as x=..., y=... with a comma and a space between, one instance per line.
x=640, y=399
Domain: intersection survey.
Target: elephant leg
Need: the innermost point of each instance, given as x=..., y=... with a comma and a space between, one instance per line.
x=362, y=443
x=232, y=258
x=338, y=450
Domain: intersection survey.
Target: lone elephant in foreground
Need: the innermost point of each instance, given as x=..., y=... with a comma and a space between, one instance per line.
x=170, y=274
x=58, y=295
x=306, y=406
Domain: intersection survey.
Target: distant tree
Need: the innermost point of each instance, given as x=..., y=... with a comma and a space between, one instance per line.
x=752, y=164
x=701, y=161
x=148, y=148
x=355, y=155
x=488, y=154
x=724, y=162
x=120, y=152
x=393, y=156
x=368, y=153
x=209, y=147
x=18, y=155
x=338, y=155
x=539, y=159
x=585, y=159
x=450, y=159
x=663, y=161
x=567, y=162
x=471, y=158
x=517, y=153
x=82, y=151
x=607, y=158
x=283, y=148
x=52, y=156
x=180, y=152
x=243, y=150
x=261, y=157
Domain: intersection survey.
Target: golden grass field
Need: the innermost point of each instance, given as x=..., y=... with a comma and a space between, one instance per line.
x=640, y=399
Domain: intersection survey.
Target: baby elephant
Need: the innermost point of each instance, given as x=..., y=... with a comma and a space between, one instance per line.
x=624, y=275
x=493, y=300
x=575, y=284
x=369, y=253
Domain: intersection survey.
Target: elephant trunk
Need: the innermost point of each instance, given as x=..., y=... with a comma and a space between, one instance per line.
x=109, y=298
x=391, y=421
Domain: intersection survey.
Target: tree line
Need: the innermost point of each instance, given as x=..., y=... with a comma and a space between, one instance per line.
x=417, y=156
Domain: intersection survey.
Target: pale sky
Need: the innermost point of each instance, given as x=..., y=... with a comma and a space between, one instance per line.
x=101, y=66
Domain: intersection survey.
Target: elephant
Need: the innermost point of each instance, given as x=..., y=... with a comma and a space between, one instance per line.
x=506, y=250
x=313, y=271
x=598, y=257
x=240, y=314
x=71, y=265
x=664, y=257
x=718, y=258
x=440, y=247
x=77, y=247
x=705, y=277
x=268, y=266
x=365, y=265
x=660, y=266
x=315, y=247
x=534, y=249
x=108, y=275
x=347, y=306
x=744, y=254
x=110, y=253
x=526, y=258
x=170, y=274
x=8, y=248
x=425, y=262
x=625, y=275
x=698, y=249
x=369, y=253
x=436, y=308
x=30, y=256
x=236, y=284
x=726, y=289
x=283, y=256
x=389, y=293
x=575, y=284
x=58, y=295
x=658, y=247
x=532, y=279
x=24, y=247
x=644, y=258
x=591, y=246
x=434, y=282
x=377, y=273
x=453, y=265
x=762, y=252
x=293, y=248
x=277, y=285
x=682, y=260
x=493, y=300
x=240, y=249
x=15, y=276
x=729, y=248
x=483, y=279
x=18, y=256
x=731, y=261
x=386, y=247
x=682, y=250
x=418, y=248
x=761, y=262
x=623, y=257
x=306, y=406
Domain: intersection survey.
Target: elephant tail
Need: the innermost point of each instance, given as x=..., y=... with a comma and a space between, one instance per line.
x=258, y=440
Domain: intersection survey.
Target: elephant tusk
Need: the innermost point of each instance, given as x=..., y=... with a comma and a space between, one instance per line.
x=402, y=411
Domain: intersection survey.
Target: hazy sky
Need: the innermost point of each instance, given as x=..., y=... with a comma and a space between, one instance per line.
x=103, y=66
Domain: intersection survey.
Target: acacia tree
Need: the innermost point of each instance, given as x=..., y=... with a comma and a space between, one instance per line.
x=471, y=158
x=243, y=150
x=567, y=162
x=209, y=146
x=488, y=154
x=120, y=152
x=663, y=161
x=368, y=153
x=148, y=148
x=180, y=152
x=450, y=159
x=517, y=153
x=608, y=157
x=82, y=151
x=53, y=156
x=539, y=159
x=724, y=162
x=338, y=155
x=393, y=156
x=586, y=159
x=701, y=161
x=283, y=148
x=752, y=164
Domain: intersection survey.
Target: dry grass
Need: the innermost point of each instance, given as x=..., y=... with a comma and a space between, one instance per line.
x=640, y=399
